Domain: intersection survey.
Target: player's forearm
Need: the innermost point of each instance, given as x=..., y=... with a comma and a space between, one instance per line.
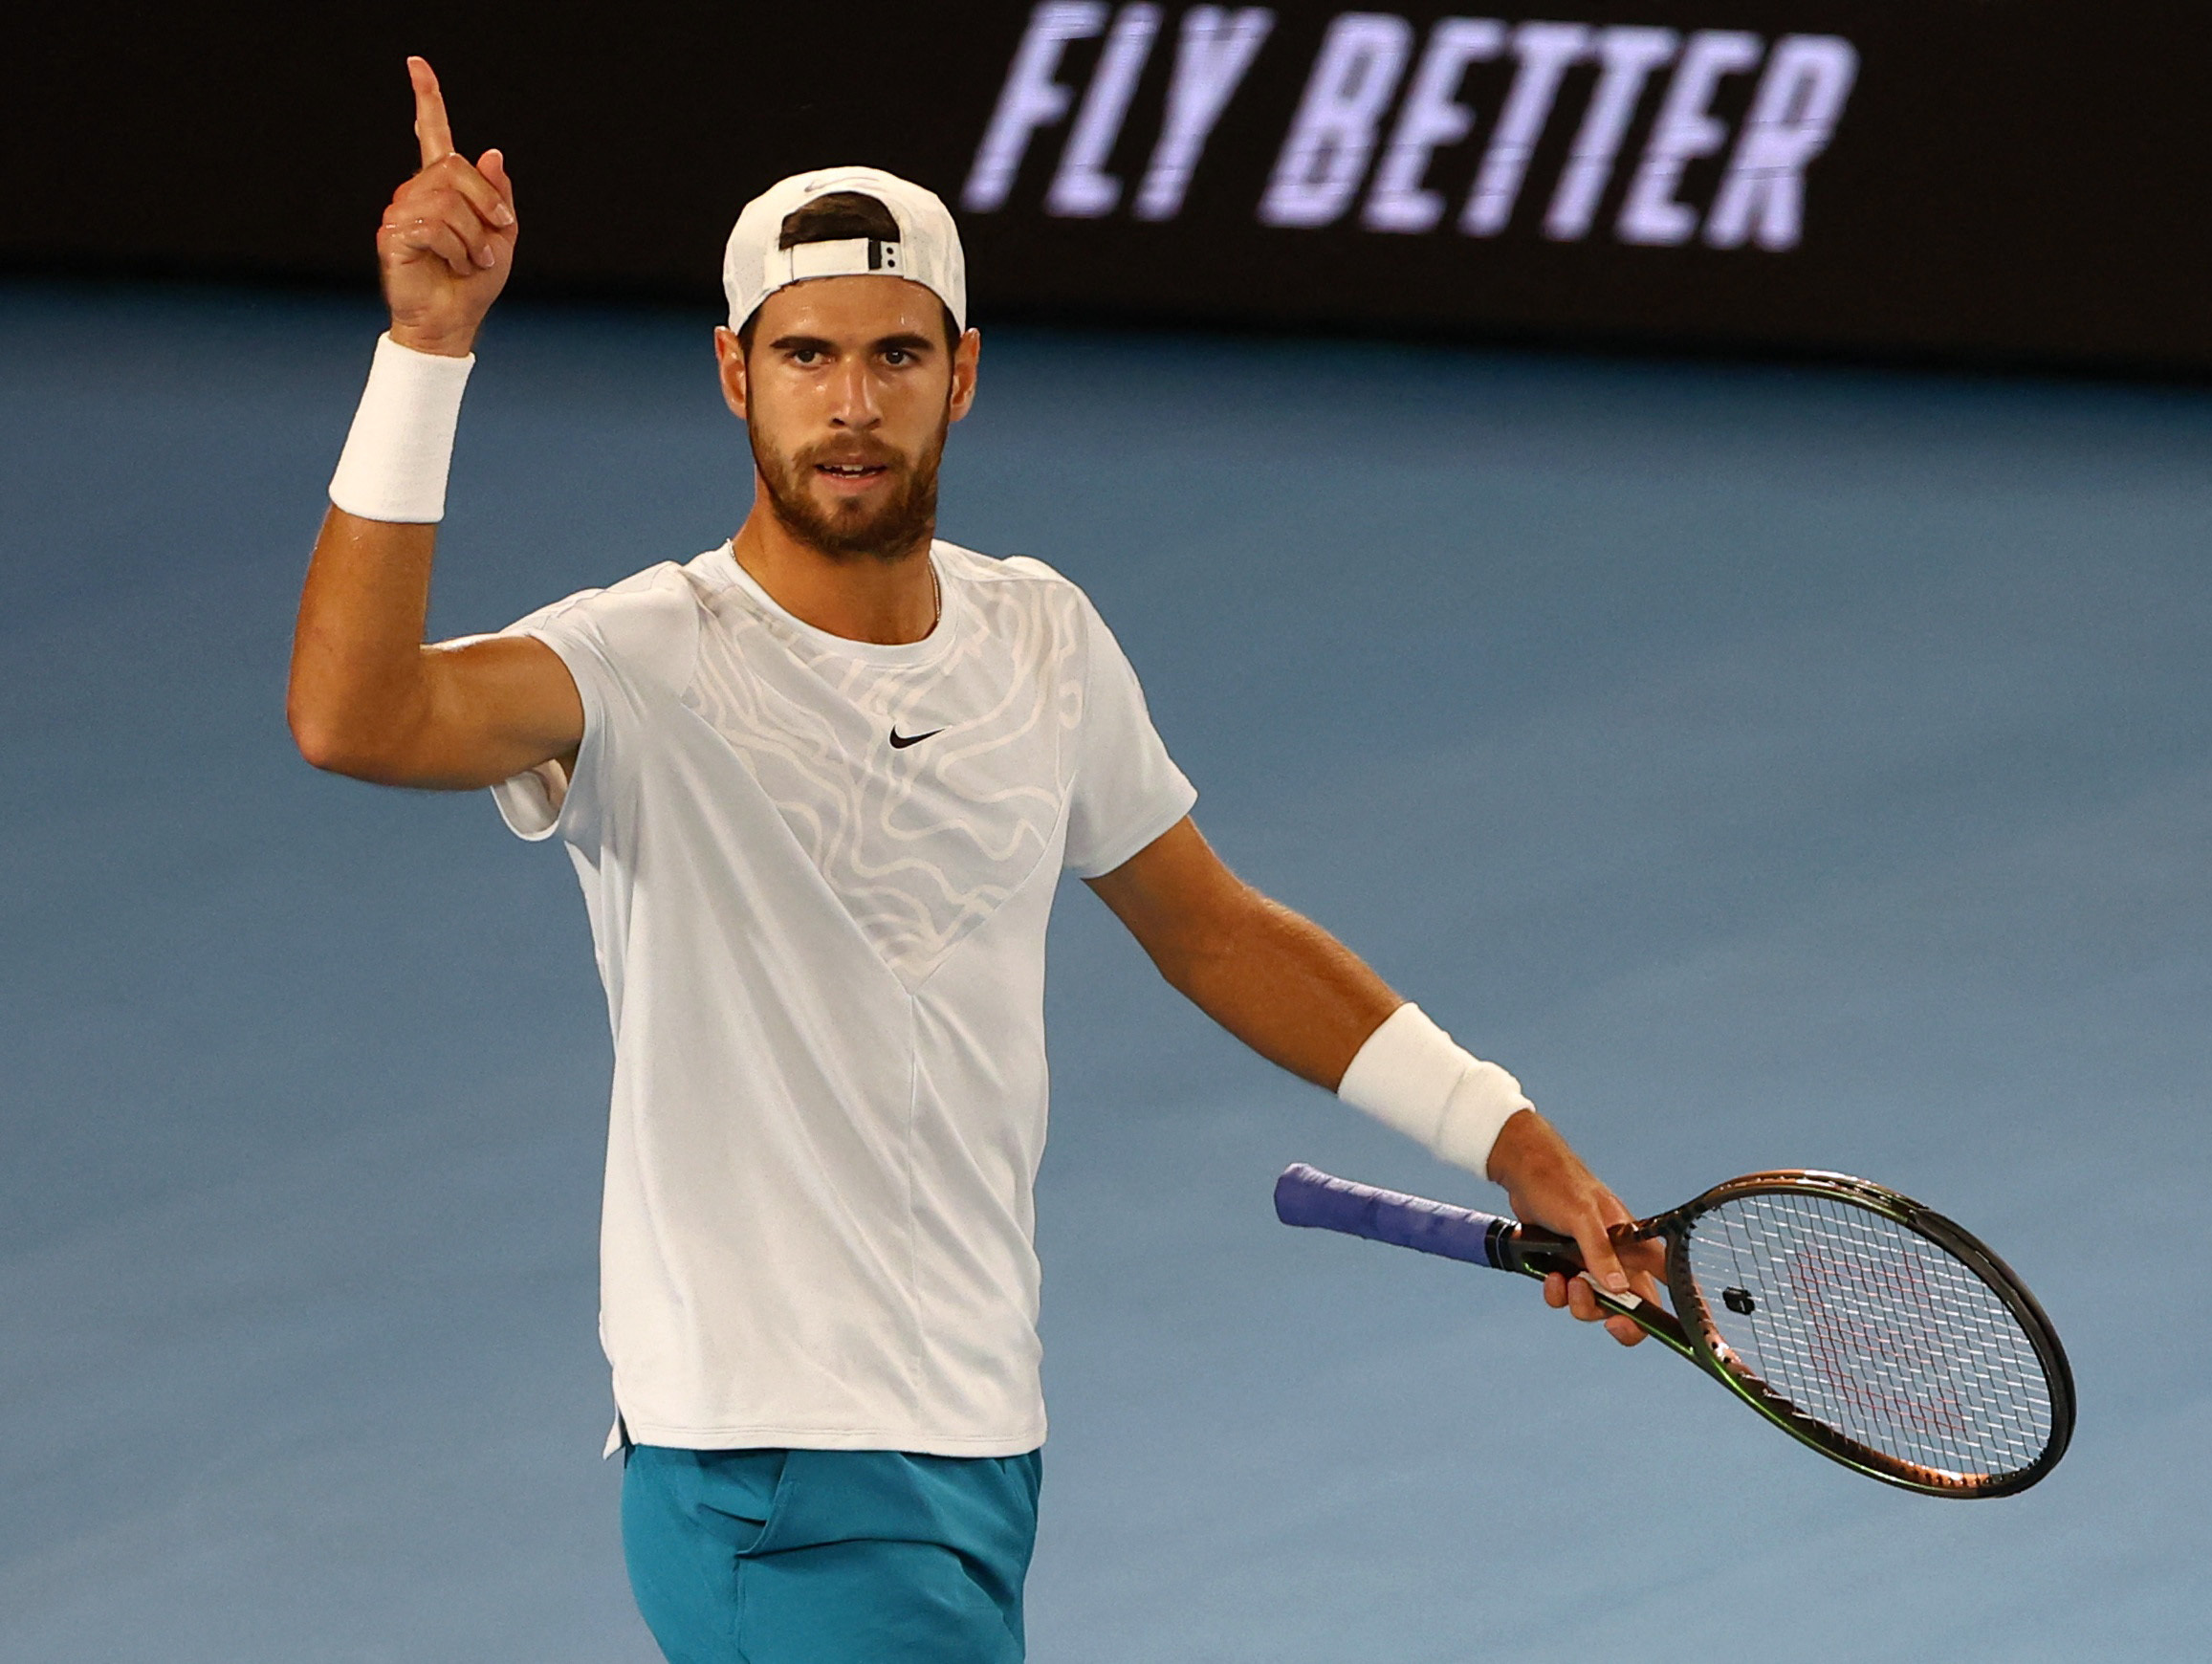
x=1302, y=1000
x=1282, y=985
x=363, y=699
x=359, y=685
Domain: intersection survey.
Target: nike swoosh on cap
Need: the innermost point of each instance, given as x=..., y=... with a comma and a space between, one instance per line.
x=900, y=741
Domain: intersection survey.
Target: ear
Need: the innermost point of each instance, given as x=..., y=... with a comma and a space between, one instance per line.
x=730, y=358
x=964, y=357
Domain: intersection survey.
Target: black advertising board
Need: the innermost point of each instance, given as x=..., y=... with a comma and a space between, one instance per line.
x=1982, y=179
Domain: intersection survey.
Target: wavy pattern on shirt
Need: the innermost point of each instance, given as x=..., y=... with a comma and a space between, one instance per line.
x=920, y=844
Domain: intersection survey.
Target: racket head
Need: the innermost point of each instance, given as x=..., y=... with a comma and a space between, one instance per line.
x=1873, y=1328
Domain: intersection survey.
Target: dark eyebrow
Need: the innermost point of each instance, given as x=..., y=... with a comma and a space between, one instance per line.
x=907, y=343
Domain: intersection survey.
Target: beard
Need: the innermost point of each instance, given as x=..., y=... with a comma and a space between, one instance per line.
x=891, y=529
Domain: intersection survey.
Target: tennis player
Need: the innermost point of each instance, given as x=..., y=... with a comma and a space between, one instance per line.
x=818, y=784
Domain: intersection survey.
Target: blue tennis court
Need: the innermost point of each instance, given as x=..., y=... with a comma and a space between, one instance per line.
x=1773, y=766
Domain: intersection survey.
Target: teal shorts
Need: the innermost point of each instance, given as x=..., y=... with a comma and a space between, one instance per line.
x=829, y=1557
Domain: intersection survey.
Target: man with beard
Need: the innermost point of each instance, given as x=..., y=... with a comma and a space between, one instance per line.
x=818, y=784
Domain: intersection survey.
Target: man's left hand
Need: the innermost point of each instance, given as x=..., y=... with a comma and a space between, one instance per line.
x=1548, y=1185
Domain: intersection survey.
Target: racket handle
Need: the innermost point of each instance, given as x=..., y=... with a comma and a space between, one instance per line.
x=1306, y=1195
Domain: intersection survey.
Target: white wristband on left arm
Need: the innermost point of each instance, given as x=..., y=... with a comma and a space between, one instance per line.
x=1411, y=1076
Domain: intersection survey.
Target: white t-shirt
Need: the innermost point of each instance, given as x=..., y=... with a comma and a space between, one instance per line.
x=819, y=873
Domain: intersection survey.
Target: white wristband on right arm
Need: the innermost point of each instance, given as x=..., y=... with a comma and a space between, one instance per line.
x=1411, y=1076
x=396, y=457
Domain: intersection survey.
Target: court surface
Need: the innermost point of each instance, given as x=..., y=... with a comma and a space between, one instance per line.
x=1772, y=766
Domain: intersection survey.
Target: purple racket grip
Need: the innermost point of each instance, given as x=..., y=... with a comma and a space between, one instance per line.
x=1306, y=1195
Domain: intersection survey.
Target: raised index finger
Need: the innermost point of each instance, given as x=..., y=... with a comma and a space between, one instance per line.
x=431, y=130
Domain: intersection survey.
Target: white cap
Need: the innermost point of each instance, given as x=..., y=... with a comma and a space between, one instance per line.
x=928, y=250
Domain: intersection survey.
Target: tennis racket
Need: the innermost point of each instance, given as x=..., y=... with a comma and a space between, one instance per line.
x=1855, y=1320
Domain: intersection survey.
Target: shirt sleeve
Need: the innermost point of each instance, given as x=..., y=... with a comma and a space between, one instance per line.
x=628, y=648
x=1128, y=790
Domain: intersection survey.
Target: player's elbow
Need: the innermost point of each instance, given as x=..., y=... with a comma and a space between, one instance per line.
x=339, y=747
x=326, y=747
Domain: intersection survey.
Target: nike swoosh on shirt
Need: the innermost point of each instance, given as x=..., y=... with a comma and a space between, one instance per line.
x=900, y=741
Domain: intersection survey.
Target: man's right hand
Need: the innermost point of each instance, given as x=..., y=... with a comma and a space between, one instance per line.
x=447, y=239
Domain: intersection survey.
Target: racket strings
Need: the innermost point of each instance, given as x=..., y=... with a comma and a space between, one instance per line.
x=1864, y=1325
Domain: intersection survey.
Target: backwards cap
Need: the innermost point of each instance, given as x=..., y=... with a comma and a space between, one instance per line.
x=928, y=250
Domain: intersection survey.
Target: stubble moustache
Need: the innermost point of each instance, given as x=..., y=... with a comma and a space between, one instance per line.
x=899, y=524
